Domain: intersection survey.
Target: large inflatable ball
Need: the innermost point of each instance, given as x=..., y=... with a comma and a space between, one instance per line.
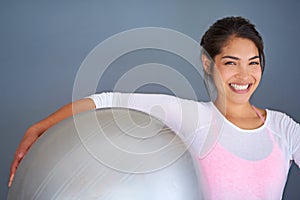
x=110, y=153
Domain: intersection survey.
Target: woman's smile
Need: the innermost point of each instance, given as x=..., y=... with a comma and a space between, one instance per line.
x=240, y=88
x=238, y=71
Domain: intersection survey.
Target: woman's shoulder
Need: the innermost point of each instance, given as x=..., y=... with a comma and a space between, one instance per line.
x=280, y=121
x=286, y=129
x=277, y=115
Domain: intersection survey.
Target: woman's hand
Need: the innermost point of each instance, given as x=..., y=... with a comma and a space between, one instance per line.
x=35, y=131
x=31, y=135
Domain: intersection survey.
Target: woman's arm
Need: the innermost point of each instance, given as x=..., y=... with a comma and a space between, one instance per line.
x=292, y=130
x=179, y=114
x=36, y=130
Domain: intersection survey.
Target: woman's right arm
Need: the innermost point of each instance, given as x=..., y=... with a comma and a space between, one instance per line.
x=36, y=130
x=180, y=115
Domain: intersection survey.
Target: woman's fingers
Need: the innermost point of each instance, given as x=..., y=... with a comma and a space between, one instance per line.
x=25, y=144
x=17, y=159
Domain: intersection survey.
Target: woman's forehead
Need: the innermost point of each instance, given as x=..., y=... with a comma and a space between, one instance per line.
x=237, y=46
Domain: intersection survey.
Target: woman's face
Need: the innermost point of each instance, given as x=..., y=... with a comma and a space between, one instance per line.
x=238, y=71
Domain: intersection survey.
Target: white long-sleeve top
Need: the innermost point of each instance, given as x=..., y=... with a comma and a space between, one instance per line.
x=233, y=163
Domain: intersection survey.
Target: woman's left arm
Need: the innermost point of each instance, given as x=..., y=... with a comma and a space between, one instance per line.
x=293, y=137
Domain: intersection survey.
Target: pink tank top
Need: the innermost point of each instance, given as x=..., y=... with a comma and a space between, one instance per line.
x=224, y=175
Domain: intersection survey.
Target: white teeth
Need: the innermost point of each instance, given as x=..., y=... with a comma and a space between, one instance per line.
x=239, y=87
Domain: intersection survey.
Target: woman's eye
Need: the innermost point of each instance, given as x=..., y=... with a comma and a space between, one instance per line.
x=229, y=63
x=254, y=63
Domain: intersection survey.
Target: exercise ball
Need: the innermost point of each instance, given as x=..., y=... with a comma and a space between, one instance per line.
x=110, y=153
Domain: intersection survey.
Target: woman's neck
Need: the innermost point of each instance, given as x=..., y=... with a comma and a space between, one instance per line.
x=242, y=115
x=234, y=110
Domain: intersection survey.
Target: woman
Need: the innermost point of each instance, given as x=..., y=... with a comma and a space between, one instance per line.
x=243, y=152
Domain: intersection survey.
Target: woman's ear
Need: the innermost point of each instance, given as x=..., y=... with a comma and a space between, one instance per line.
x=206, y=63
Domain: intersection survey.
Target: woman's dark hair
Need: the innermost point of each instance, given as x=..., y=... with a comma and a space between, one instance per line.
x=218, y=34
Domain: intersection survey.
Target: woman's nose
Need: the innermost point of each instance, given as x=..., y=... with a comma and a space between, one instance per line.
x=242, y=71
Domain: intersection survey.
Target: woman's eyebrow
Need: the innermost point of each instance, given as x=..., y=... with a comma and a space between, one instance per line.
x=231, y=57
x=254, y=57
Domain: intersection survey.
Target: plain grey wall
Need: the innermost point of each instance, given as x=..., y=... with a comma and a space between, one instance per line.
x=42, y=44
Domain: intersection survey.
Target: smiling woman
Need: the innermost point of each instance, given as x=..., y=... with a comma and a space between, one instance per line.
x=233, y=59
x=242, y=152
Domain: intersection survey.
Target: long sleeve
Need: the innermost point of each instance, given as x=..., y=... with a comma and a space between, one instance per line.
x=289, y=133
x=183, y=116
x=293, y=138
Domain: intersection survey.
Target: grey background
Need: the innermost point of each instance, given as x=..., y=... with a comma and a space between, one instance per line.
x=42, y=44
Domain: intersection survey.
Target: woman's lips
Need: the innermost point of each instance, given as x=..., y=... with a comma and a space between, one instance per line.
x=240, y=88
